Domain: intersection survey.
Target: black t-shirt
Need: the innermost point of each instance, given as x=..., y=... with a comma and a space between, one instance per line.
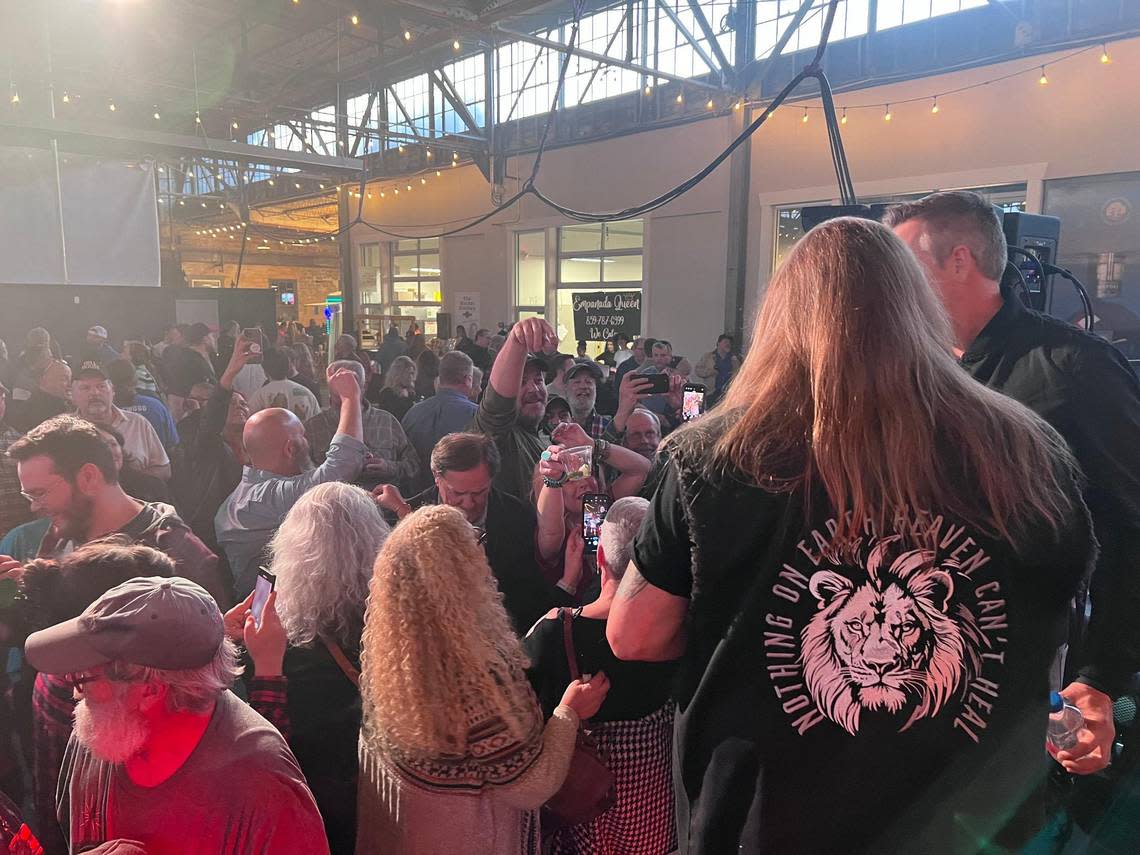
x=636, y=688
x=873, y=698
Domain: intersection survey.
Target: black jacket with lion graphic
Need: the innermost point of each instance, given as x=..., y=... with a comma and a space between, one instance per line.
x=883, y=694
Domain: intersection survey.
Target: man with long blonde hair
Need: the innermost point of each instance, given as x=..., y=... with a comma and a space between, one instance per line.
x=864, y=560
x=1082, y=386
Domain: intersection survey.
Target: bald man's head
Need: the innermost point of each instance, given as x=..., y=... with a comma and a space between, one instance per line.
x=275, y=442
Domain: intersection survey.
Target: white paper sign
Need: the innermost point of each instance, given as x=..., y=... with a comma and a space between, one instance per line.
x=467, y=311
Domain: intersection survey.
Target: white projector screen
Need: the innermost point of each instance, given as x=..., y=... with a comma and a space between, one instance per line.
x=110, y=221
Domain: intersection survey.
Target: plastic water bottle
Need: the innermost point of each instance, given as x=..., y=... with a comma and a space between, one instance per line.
x=1065, y=723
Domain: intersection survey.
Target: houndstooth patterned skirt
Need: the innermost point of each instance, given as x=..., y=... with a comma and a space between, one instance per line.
x=642, y=822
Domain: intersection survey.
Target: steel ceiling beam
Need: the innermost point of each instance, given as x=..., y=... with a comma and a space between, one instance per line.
x=726, y=67
x=671, y=13
x=511, y=35
x=138, y=141
x=440, y=79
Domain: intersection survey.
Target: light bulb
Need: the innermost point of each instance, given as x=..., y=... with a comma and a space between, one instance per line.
x=407, y=35
x=709, y=104
x=1104, y=57
x=111, y=106
x=355, y=19
x=805, y=118
x=369, y=194
x=322, y=186
x=182, y=202
x=1043, y=79
x=455, y=45
x=15, y=99
x=381, y=194
x=680, y=98
x=648, y=88
x=396, y=191
x=197, y=118
x=297, y=185
x=438, y=173
x=409, y=188
x=843, y=121
x=400, y=149
x=234, y=124
x=203, y=204
x=429, y=154
x=423, y=181
x=739, y=105
x=935, y=110
x=270, y=182
x=66, y=98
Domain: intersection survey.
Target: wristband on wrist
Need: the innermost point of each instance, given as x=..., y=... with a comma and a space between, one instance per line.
x=552, y=484
x=601, y=450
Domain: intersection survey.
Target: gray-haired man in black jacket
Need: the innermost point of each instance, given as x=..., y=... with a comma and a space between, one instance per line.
x=1086, y=390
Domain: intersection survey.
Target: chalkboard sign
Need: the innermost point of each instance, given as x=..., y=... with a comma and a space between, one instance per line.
x=600, y=315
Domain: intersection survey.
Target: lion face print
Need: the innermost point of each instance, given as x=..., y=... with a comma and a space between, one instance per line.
x=887, y=638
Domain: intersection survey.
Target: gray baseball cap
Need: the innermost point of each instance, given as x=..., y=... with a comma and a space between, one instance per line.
x=166, y=623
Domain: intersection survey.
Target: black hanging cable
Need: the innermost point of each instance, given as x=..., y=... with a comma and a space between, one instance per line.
x=838, y=156
x=529, y=187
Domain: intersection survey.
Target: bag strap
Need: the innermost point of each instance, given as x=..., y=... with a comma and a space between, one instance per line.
x=567, y=618
x=338, y=656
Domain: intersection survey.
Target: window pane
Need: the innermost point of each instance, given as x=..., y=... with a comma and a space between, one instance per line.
x=622, y=268
x=581, y=270
x=408, y=292
x=428, y=265
x=405, y=265
x=407, y=245
x=429, y=292
x=626, y=235
x=429, y=243
x=582, y=238
x=370, y=255
x=1101, y=245
x=523, y=314
x=530, y=269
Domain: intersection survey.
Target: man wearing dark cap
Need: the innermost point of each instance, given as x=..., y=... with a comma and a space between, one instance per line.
x=94, y=400
x=582, y=379
x=515, y=402
x=162, y=752
x=96, y=347
x=557, y=413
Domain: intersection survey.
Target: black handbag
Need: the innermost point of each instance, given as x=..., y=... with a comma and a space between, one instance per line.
x=588, y=790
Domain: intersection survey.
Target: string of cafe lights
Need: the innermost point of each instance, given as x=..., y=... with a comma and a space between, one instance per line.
x=937, y=100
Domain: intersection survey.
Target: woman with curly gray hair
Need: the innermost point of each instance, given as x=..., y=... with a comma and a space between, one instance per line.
x=306, y=649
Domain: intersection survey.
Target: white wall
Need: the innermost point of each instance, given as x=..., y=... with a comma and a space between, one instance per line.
x=685, y=251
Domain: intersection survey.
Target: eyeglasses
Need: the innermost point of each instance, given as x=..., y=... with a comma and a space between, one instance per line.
x=39, y=495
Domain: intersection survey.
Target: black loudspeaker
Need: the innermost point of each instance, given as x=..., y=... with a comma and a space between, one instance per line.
x=1038, y=235
x=443, y=325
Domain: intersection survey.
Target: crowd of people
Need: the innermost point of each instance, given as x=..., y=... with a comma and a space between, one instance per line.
x=267, y=592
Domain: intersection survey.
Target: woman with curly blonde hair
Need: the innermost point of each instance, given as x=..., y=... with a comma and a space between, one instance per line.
x=454, y=756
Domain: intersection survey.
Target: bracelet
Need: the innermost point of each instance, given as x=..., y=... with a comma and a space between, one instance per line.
x=601, y=450
x=547, y=482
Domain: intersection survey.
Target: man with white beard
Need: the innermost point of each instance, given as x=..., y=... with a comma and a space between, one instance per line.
x=162, y=752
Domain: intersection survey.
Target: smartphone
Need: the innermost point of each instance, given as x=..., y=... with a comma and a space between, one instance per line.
x=658, y=383
x=692, y=401
x=595, y=506
x=252, y=335
x=262, y=588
